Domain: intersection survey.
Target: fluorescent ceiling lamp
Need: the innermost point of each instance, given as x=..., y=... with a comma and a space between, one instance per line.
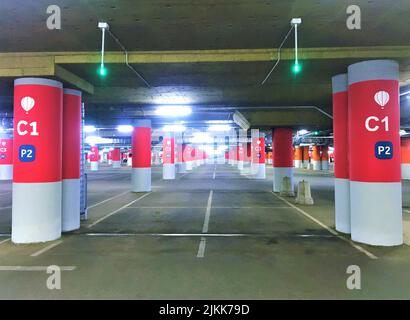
x=219, y=121
x=2, y=129
x=403, y=132
x=89, y=129
x=93, y=140
x=302, y=132
x=174, y=128
x=125, y=128
x=173, y=111
x=219, y=127
x=201, y=137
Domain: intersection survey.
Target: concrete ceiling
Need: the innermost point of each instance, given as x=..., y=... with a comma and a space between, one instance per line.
x=180, y=25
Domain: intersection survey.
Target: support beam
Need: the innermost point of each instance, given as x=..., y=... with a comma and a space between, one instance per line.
x=73, y=79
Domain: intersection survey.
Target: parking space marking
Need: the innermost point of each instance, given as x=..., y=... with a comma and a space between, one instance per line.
x=4, y=241
x=49, y=247
x=118, y=210
x=35, y=268
x=109, y=199
x=202, y=244
x=335, y=233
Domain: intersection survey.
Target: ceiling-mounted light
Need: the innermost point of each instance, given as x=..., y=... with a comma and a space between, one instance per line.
x=302, y=132
x=93, y=140
x=403, y=132
x=89, y=129
x=173, y=111
x=103, y=26
x=296, y=67
x=125, y=128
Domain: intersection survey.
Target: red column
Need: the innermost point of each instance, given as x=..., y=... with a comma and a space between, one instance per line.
x=6, y=159
x=37, y=172
x=71, y=160
x=116, y=158
x=374, y=149
x=94, y=158
x=141, y=156
x=283, y=156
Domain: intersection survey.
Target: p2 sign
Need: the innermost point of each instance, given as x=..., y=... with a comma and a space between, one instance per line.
x=383, y=150
x=27, y=153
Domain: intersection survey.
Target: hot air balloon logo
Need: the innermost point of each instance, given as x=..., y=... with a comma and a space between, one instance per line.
x=27, y=103
x=381, y=98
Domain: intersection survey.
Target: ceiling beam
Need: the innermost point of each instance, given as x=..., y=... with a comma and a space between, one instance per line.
x=225, y=55
x=73, y=79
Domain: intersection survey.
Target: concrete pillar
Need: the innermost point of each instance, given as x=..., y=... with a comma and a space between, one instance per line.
x=94, y=157
x=6, y=157
x=325, y=157
x=129, y=158
x=260, y=156
x=109, y=157
x=37, y=172
x=316, y=162
x=141, y=153
x=374, y=149
x=116, y=158
x=182, y=163
x=168, y=156
x=341, y=153
x=283, y=157
x=70, y=219
x=254, y=151
x=298, y=157
x=188, y=157
x=305, y=157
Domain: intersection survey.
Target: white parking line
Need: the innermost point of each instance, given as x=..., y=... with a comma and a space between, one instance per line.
x=202, y=244
x=109, y=199
x=118, y=210
x=34, y=268
x=4, y=241
x=49, y=247
x=214, y=175
x=335, y=233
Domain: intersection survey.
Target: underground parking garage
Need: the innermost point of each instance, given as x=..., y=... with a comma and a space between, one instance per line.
x=184, y=150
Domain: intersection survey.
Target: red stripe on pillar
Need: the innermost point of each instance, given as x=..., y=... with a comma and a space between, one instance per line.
x=282, y=148
x=141, y=147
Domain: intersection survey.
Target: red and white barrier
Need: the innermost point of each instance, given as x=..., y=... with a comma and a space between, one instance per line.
x=37, y=150
x=283, y=157
x=70, y=219
x=374, y=148
x=341, y=153
x=141, y=153
x=6, y=158
x=168, y=156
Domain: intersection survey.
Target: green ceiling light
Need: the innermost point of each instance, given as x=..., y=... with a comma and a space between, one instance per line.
x=296, y=67
x=103, y=26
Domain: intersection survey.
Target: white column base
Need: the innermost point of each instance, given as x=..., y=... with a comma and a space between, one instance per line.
x=70, y=216
x=405, y=171
x=129, y=162
x=109, y=162
x=305, y=164
x=278, y=174
x=141, y=179
x=298, y=164
x=376, y=213
x=94, y=165
x=6, y=172
x=36, y=212
x=116, y=164
x=168, y=171
x=342, y=205
x=317, y=165
x=240, y=165
x=182, y=167
x=260, y=171
x=188, y=165
x=325, y=165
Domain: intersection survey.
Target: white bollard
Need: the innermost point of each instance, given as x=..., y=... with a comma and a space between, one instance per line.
x=286, y=188
x=304, y=195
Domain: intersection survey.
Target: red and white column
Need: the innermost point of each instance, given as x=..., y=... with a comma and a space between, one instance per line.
x=6, y=158
x=341, y=153
x=168, y=156
x=141, y=153
x=94, y=158
x=188, y=157
x=325, y=157
x=305, y=157
x=70, y=219
x=116, y=158
x=37, y=150
x=283, y=157
x=374, y=148
x=298, y=157
x=316, y=162
x=260, y=157
x=405, y=158
x=109, y=157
